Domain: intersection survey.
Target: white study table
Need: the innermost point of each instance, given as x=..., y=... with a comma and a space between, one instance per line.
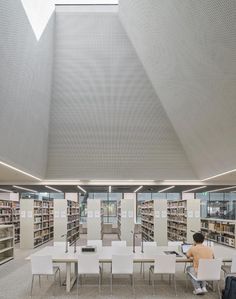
x=105, y=256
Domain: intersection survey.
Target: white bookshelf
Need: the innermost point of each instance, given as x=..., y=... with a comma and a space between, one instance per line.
x=183, y=219
x=35, y=222
x=66, y=218
x=6, y=243
x=154, y=221
x=126, y=215
x=222, y=231
x=10, y=212
x=94, y=219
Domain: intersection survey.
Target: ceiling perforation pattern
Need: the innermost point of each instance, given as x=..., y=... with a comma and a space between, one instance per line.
x=106, y=120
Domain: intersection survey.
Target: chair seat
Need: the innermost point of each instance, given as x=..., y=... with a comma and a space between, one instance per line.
x=226, y=269
x=151, y=268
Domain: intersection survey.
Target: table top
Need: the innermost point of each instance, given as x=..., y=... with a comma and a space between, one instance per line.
x=105, y=254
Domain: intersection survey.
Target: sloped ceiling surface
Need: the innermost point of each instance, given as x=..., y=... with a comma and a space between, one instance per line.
x=188, y=49
x=106, y=119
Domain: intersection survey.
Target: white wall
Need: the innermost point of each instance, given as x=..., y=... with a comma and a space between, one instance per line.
x=25, y=89
x=188, y=51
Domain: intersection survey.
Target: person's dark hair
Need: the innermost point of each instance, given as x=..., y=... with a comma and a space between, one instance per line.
x=198, y=238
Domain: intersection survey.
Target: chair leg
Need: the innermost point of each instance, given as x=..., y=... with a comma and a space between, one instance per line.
x=99, y=283
x=111, y=282
x=186, y=281
x=39, y=281
x=149, y=277
x=185, y=266
x=78, y=284
x=218, y=287
x=174, y=280
x=59, y=271
x=142, y=269
x=153, y=284
x=32, y=283
x=133, y=283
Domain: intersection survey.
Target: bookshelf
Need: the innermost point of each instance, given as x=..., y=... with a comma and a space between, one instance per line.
x=16, y=219
x=183, y=219
x=66, y=218
x=6, y=243
x=10, y=212
x=5, y=211
x=154, y=221
x=94, y=219
x=35, y=222
x=221, y=231
x=126, y=217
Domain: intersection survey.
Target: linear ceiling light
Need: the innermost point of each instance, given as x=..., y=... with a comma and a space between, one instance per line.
x=138, y=189
x=54, y=189
x=82, y=189
x=218, y=175
x=26, y=189
x=168, y=188
x=109, y=189
x=23, y=172
x=221, y=189
x=197, y=188
x=5, y=190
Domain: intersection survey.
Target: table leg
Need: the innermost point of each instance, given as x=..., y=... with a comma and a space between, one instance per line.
x=68, y=277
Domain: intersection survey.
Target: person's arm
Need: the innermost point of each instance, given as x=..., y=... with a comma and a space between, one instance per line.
x=189, y=254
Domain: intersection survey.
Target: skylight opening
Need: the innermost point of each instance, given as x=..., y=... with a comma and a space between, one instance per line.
x=39, y=13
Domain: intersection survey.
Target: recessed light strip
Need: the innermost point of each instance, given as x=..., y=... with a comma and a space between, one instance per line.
x=197, y=188
x=23, y=172
x=221, y=189
x=218, y=175
x=81, y=189
x=163, y=190
x=26, y=189
x=139, y=188
x=5, y=190
x=54, y=189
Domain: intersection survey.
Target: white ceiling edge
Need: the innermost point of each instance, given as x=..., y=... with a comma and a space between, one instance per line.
x=88, y=8
x=116, y=183
x=88, y=2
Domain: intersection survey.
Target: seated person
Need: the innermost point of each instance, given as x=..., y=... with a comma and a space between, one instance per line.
x=196, y=252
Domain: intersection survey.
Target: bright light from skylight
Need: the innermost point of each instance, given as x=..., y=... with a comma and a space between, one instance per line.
x=38, y=13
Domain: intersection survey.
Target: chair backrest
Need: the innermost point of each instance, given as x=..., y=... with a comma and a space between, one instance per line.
x=151, y=251
x=122, y=264
x=118, y=243
x=41, y=264
x=148, y=244
x=88, y=263
x=209, y=269
x=165, y=264
x=97, y=243
x=233, y=265
x=60, y=244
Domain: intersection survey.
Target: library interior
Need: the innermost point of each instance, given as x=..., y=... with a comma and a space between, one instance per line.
x=117, y=149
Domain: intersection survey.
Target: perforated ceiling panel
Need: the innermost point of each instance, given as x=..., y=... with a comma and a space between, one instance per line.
x=188, y=49
x=25, y=90
x=106, y=120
